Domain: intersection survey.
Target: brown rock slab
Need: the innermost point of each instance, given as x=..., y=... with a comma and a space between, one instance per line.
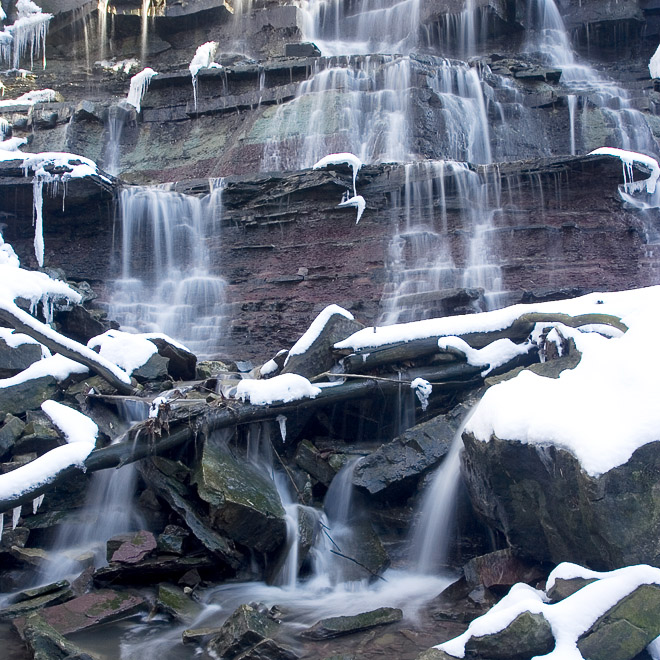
x=500, y=569
x=135, y=548
x=93, y=608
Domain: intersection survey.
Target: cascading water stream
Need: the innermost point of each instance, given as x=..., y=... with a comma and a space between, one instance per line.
x=109, y=510
x=167, y=284
x=548, y=38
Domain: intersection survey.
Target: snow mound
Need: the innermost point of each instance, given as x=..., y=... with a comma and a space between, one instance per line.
x=126, y=350
x=279, y=389
x=139, y=85
x=315, y=329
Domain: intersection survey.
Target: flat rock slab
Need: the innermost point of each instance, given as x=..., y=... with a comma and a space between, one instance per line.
x=88, y=610
x=347, y=625
x=135, y=548
x=500, y=569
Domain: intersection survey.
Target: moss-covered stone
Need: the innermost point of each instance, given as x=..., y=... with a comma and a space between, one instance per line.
x=46, y=643
x=244, y=629
x=347, y=625
x=625, y=629
x=175, y=601
x=243, y=503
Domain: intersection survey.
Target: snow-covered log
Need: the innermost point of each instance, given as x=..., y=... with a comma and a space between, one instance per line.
x=23, y=322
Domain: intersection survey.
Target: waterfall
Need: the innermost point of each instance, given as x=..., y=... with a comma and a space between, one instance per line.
x=432, y=535
x=350, y=104
x=548, y=38
x=421, y=267
x=361, y=26
x=167, y=283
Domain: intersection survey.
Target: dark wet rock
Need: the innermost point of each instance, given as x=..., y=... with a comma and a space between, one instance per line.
x=28, y=604
x=211, y=368
x=182, y=363
x=82, y=324
x=368, y=555
x=456, y=603
x=500, y=569
x=395, y=468
x=155, y=368
x=550, y=510
x=346, y=625
x=97, y=607
x=14, y=537
x=10, y=431
x=309, y=459
x=156, y=569
x=46, y=643
x=526, y=636
x=190, y=579
x=268, y=650
x=625, y=629
x=242, y=502
x=165, y=479
x=14, y=359
x=318, y=357
x=564, y=588
x=29, y=395
x=131, y=548
x=172, y=540
x=302, y=49
x=244, y=629
x=177, y=603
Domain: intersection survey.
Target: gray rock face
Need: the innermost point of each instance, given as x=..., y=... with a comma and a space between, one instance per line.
x=16, y=399
x=155, y=368
x=500, y=569
x=395, y=468
x=46, y=643
x=526, y=636
x=9, y=433
x=549, y=509
x=15, y=359
x=243, y=503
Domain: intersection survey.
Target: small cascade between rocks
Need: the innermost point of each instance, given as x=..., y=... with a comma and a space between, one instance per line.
x=167, y=284
x=109, y=510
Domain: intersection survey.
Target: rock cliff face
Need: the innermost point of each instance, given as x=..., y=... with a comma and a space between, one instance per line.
x=553, y=224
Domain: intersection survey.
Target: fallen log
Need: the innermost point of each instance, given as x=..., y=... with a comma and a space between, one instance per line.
x=147, y=439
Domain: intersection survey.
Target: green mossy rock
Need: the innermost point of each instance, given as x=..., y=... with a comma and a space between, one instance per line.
x=347, y=625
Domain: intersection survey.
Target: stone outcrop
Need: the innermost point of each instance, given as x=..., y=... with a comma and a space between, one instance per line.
x=549, y=509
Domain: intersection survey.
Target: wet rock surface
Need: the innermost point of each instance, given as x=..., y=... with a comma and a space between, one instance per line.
x=347, y=625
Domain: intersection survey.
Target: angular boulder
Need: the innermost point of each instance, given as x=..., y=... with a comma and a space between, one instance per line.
x=550, y=510
x=14, y=359
x=243, y=503
x=500, y=569
x=46, y=643
x=315, y=355
x=395, y=468
x=526, y=636
x=182, y=363
x=244, y=629
x=29, y=395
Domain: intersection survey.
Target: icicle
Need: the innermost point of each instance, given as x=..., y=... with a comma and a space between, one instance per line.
x=203, y=60
x=139, y=84
x=281, y=420
x=36, y=503
x=2, y=524
x=16, y=514
x=38, y=220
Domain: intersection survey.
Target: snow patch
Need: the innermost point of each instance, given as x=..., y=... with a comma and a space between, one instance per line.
x=423, y=390
x=57, y=366
x=280, y=389
x=203, y=59
x=341, y=159
x=75, y=426
x=492, y=356
x=126, y=350
x=654, y=64
x=30, y=98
